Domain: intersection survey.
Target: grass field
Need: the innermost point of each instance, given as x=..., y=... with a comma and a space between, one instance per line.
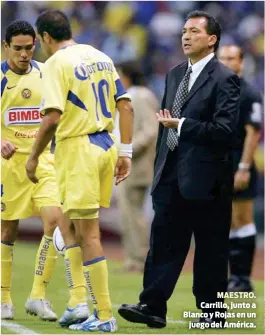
x=124, y=289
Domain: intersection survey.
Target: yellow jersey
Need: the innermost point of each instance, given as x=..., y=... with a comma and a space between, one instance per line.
x=83, y=84
x=20, y=99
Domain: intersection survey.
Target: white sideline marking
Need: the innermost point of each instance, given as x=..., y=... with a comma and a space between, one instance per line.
x=169, y=320
x=16, y=328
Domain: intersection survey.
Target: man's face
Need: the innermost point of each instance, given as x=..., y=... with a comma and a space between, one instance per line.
x=195, y=39
x=230, y=57
x=44, y=43
x=20, y=51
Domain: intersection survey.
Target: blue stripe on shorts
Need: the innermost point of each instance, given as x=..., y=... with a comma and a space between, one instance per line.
x=101, y=139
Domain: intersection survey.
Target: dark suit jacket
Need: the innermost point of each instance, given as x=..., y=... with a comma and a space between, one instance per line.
x=207, y=135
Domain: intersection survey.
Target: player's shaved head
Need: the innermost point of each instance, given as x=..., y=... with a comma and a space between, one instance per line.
x=19, y=27
x=56, y=24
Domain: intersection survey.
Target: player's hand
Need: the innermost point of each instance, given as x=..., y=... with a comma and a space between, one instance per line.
x=241, y=180
x=166, y=119
x=7, y=149
x=31, y=168
x=123, y=169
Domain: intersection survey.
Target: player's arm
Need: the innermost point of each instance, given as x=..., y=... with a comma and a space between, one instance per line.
x=45, y=134
x=124, y=106
x=125, y=109
x=7, y=149
x=252, y=127
x=250, y=144
x=55, y=91
x=123, y=167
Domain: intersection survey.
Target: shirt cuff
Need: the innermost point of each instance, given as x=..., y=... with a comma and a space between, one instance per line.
x=180, y=124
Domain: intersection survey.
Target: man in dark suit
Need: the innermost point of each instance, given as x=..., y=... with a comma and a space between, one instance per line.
x=193, y=181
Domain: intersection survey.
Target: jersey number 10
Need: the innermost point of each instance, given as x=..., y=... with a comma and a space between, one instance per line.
x=100, y=97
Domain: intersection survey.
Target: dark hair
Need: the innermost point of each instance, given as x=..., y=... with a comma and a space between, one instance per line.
x=19, y=27
x=212, y=27
x=133, y=71
x=55, y=23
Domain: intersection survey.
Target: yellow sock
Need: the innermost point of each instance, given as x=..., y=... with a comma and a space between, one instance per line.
x=6, y=271
x=44, y=267
x=75, y=277
x=96, y=275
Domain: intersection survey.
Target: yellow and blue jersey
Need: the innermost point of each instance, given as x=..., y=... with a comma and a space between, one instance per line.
x=20, y=99
x=83, y=84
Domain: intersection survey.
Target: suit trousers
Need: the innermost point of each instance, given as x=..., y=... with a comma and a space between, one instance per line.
x=175, y=220
x=135, y=231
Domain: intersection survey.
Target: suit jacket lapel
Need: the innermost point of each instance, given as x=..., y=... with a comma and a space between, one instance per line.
x=202, y=78
x=177, y=77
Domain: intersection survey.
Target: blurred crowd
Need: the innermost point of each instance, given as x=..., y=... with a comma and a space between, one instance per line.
x=150, y=32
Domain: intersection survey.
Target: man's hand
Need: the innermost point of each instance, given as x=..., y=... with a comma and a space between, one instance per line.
x=7, y=149
x=31, y=168
x=241, y=180
x=123, y=169
x=166, y=119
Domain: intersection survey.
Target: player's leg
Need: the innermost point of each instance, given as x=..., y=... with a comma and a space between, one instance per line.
x=46, y=199
x=9, y=230
x=100, y=178
x=46, y=255
x=15, y=204
x=77, y=309
x=242, y=245
x=45, y=262
x=95, y=271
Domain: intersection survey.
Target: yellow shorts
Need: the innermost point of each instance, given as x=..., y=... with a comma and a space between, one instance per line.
x=85, y=168
x=20, y=198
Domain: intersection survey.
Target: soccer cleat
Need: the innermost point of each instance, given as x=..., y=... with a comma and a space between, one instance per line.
x=74, y=315
x=42, y=308
x=93, y=324
x=7, y=311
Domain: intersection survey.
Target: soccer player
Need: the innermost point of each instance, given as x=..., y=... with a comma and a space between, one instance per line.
x=21, y=97
x=81, y=93
x=243, y=230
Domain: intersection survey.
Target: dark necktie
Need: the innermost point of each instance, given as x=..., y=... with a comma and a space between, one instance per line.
x=180, y=98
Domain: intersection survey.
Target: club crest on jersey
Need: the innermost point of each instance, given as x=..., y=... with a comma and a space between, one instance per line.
x=22, y=116
x=26, y=93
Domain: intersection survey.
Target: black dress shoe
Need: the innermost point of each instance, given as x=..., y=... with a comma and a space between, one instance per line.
x=239, y=286
x=141, y=313
x=220, y=321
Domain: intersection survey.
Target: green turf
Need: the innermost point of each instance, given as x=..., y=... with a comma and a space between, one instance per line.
x=124, y=289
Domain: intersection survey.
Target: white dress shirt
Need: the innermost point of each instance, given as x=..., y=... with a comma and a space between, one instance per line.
x=196, y=70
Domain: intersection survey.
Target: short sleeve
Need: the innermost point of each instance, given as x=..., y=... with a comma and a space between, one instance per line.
x=55, y=85
x=120, y=92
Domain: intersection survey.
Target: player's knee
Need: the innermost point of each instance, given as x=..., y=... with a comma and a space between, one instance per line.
x=51, y=221
x=49, y=227
x=9, y=231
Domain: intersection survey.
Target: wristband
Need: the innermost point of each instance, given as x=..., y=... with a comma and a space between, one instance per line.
x=243, y=166
x=125, y=150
